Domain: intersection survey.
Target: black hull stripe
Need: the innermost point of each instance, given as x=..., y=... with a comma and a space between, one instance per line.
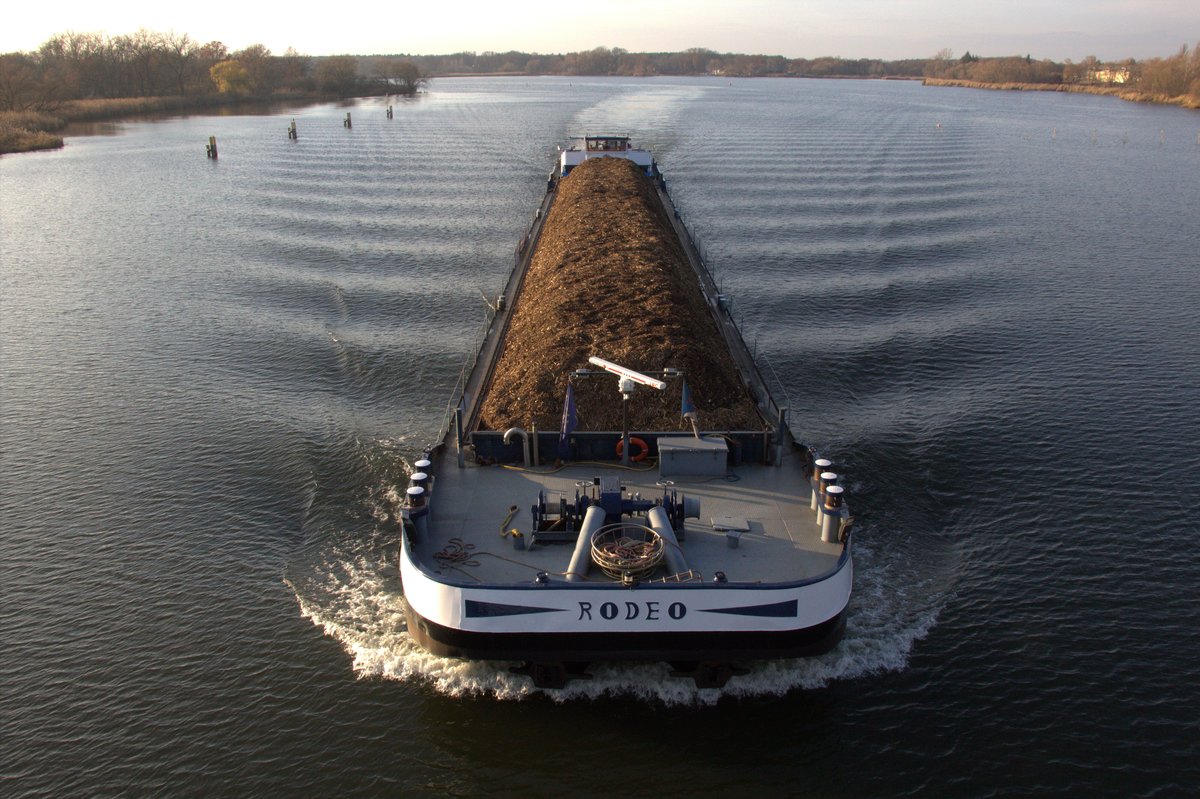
x=781, y=610
x=480, y=610
x=474, y=609
x=616, y=646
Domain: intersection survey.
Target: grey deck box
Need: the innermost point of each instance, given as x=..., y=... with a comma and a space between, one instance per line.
x=688, y=456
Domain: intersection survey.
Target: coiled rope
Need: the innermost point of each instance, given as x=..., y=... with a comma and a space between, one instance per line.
x=624, y=551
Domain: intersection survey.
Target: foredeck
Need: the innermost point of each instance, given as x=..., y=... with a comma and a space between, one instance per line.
x=470, y=505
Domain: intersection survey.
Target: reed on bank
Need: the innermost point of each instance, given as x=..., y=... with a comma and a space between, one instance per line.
x=1133, y=95
x=24, y=131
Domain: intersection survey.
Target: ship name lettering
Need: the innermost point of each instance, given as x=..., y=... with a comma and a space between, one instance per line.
x=650, y=611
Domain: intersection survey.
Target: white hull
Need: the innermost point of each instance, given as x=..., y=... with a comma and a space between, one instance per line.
x=532, y=621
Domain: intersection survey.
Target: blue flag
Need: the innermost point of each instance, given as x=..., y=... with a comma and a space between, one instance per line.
x=569, y=420
x=687, y=408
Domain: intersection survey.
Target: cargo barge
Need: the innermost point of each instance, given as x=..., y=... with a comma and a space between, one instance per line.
x=615, y=480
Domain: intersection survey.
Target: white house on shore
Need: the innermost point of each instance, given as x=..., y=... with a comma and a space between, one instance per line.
x=1109, y=75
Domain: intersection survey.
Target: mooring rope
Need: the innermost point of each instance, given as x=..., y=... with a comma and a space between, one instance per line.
x=456, y=552
x=504, y=531
x=622, y=556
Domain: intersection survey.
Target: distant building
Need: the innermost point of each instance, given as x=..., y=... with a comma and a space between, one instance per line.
x=1109, y=75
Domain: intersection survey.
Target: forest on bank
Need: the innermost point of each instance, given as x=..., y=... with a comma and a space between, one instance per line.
x=1173, y=76
x=87, y=76
x=93, y=66
x=1174, y=79
x=84, y=76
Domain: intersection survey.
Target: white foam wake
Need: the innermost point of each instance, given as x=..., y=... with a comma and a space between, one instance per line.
x=357, y=601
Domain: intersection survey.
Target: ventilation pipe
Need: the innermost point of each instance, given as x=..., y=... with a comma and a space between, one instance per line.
x=517, y=431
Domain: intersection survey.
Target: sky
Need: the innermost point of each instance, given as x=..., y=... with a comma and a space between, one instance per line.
x=888, y=29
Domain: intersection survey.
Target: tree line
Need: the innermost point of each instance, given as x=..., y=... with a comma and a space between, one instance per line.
x=693, y=61
x=94, y=66
x=87, y=66
x=1173, y=76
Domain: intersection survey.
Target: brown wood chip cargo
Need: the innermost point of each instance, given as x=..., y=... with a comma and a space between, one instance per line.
x=610, y=278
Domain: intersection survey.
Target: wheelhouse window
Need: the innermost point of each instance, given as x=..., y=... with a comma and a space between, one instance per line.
x=607, y=144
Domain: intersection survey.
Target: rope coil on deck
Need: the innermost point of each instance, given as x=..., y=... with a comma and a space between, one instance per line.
x=456, y=552
x=625, y=551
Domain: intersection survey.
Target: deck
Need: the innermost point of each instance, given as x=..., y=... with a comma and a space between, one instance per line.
x=470, y=504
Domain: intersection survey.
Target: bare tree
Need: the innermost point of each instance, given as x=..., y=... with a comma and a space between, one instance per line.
x=338, y=75
x=398, y=77
x=256, y=60
x=179, y=52
x=21, y=84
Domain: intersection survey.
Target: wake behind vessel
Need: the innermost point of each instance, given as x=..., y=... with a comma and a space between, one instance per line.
x=615, y=481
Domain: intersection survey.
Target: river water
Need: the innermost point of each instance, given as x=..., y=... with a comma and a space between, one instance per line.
x=214, y=374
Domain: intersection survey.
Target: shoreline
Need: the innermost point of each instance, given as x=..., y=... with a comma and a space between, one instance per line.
x=1131, y=95
x=35, y=131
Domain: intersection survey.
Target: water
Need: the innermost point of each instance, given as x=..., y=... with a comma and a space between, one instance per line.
x=215, y=374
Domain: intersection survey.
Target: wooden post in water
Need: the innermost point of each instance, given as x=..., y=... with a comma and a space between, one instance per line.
x=292, y=131
x=347, y=124
x=389, y=112
x=211, y=148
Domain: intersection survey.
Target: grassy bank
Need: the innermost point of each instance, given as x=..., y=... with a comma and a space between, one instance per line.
x=23, y=131
x=1186, y=100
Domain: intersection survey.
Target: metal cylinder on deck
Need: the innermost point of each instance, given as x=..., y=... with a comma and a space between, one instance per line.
x=824, y=481
x=673, y=555
x=419, y=479
x=422, y=465
x=418, y=510
x=581, y=558
x=819, y=465
x=831, y=514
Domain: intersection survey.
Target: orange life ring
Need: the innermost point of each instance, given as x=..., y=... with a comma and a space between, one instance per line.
x=644, y=449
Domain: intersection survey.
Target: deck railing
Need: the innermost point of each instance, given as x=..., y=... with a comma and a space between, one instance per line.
x=521, y=254
x=776, y=391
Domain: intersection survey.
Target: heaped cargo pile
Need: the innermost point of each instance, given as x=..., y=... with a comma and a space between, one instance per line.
x=610, y=278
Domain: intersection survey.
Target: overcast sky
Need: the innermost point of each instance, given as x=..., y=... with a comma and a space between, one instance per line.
x=1056, y=29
